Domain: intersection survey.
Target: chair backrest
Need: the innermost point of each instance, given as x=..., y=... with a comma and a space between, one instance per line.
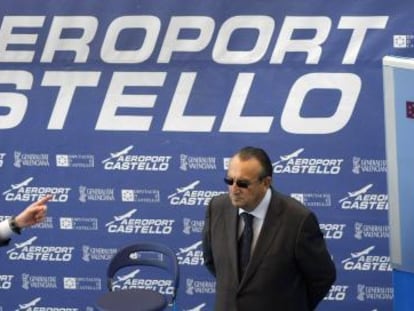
x=146, y=254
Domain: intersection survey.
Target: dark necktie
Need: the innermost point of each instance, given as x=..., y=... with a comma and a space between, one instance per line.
x=245, y=242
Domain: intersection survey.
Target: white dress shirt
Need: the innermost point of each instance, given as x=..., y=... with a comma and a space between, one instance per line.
x=5, y=230
x=259, y=214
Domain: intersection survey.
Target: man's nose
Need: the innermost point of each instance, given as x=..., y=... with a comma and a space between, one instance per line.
x=234, y=188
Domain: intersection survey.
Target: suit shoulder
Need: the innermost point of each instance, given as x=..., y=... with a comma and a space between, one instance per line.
x=220, y=199
x=220, y=204
x=291, y=205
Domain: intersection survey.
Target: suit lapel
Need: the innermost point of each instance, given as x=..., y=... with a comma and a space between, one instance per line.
x=267, y=235
x=231, y=223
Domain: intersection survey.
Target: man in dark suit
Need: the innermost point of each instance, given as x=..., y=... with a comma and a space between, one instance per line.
x=289, y=269
x=31, y=215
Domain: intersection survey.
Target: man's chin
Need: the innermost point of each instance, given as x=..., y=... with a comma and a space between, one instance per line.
x=237, y=203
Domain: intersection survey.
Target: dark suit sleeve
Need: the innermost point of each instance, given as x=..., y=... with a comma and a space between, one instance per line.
x=314, y=261
x=207, y=252
x=4, y=242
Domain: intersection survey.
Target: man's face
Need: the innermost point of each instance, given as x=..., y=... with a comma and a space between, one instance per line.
x=248, y=172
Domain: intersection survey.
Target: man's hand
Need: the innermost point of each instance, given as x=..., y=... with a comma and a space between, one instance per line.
x=34, y=213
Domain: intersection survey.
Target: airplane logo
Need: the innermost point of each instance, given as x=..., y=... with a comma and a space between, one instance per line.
x=197, y=308
x=359, y=254
x=122, y=217
x=23, y=244
x=118, y=154
x=356, y=193
x=189, y=248
x=19, y=185
x=289, y=156
x=184, y=189
x=29, y=304
x=126, y=276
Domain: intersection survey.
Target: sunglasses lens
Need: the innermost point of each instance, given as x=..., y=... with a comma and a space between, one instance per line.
x=242, y=184
x=229, y=181
x=239, y=183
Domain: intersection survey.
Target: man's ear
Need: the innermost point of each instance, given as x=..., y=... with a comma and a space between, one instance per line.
x=267, y=181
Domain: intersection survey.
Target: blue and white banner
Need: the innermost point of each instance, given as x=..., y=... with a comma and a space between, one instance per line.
x=128, y=111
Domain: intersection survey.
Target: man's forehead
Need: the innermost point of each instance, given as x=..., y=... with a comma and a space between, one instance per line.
x=250, y=165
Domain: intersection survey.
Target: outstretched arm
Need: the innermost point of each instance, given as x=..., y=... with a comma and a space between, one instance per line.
x=33, y=214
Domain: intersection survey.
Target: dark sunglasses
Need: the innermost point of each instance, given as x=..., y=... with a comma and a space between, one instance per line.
x=239, y=183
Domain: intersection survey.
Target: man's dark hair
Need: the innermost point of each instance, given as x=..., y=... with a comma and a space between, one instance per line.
x=260, y=155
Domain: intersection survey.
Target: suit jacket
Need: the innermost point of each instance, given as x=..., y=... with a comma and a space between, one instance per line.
x=4, y=242
x=290, y=268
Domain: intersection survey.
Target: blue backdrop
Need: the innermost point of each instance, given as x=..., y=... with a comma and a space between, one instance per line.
x=128, y=111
